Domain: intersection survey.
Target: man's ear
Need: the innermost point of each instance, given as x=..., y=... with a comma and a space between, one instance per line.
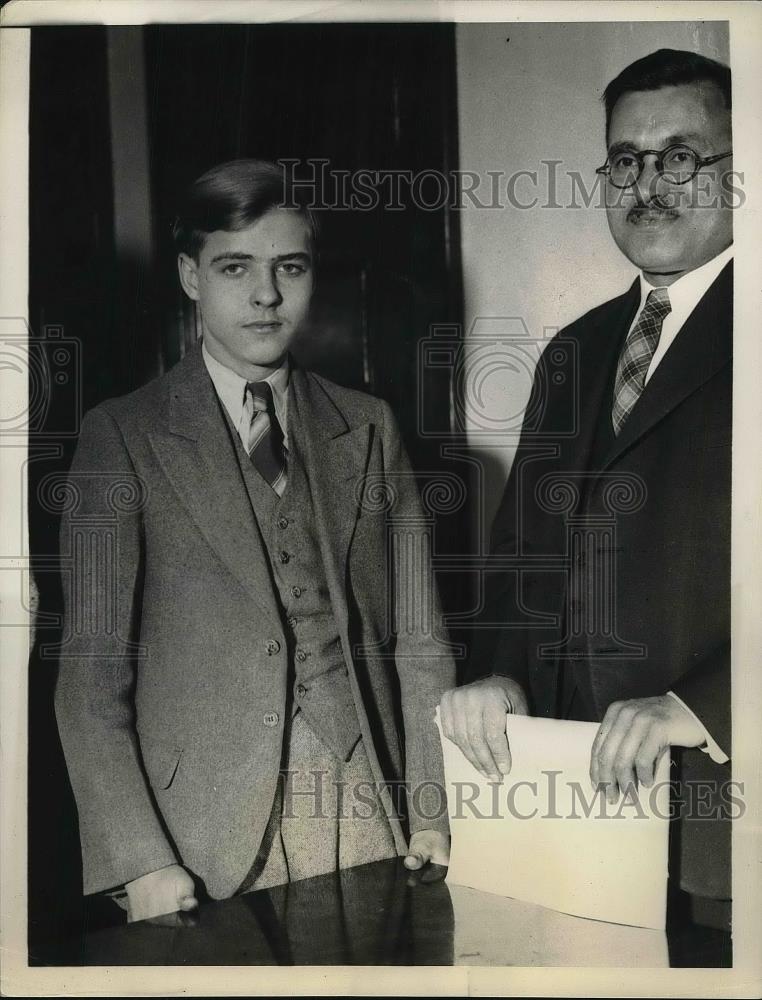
x=187, y=268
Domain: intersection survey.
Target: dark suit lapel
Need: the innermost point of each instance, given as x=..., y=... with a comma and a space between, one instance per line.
x=335, y=456
x=599, y=349
x=702, y=347
x=199, y=459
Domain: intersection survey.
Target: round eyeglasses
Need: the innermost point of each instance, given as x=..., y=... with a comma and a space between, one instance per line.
x=677, y=164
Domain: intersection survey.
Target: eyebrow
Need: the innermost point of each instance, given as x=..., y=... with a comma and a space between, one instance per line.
x=297, y=255
x=681, y=138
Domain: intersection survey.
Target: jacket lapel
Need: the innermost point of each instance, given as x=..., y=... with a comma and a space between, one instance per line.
x=702, y=347
x=335, y=456
x=599, y=350
x=199, y=459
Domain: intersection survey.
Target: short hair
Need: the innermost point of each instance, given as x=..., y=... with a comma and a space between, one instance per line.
x=230, y=197
x=667, y=68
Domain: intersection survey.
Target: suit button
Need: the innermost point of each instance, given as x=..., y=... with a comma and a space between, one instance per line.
x=301, y=655
x=296, y=591
x=282, y=522
x=271, y=719
x=272, y=646
x=284, y=557
x=291, y=622
x=301, y=690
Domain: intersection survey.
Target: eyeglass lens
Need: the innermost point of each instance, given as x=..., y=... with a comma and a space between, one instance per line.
x=677, y=164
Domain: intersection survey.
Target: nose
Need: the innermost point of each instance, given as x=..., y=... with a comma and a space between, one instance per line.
x=264, y=292
x=648, y=184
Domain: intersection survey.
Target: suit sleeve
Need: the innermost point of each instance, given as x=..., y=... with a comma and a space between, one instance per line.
x=499, y=648
x=705, y=689
x=101, y=533
x=424, y=663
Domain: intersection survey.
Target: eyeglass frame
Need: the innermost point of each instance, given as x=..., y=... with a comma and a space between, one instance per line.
x=660, y=154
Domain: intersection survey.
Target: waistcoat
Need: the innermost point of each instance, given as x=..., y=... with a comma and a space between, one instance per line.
x=319, y=678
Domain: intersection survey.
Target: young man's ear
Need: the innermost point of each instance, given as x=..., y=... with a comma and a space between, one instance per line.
x=188, y=270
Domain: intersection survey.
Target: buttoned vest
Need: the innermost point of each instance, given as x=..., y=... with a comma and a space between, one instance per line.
x=318, y=672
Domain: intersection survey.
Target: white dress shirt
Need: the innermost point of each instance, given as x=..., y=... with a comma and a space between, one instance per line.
x=684, y=295
x=231, y=389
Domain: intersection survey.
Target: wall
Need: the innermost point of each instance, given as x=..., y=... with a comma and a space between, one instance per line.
x=530, y=93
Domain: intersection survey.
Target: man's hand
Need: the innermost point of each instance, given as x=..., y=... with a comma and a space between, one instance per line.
x=473, y=717
x=159, y=893
x=428, y=847
x=632, y=738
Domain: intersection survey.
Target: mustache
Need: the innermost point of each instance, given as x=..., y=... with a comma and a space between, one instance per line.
x=656, y=208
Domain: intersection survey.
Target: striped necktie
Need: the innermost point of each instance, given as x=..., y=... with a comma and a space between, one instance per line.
x=636, y=355
x=266, y=449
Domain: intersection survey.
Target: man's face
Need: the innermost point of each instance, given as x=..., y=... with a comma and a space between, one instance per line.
x=667, y=229
x=253, y=288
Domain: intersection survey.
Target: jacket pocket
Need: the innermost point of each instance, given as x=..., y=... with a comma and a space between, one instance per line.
x=162, y=761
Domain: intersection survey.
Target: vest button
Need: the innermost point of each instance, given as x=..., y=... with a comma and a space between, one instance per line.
x=282, y=522
x=301, y=690
x=272, y=646
x=296, y=591
x=271, y=719
x=301, y=655
x=284, y=557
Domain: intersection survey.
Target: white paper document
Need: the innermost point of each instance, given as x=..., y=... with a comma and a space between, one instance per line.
x=543, y=836
x=494, y=930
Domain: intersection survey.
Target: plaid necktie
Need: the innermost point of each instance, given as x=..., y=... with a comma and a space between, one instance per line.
x=636, y=355
x=266, y=449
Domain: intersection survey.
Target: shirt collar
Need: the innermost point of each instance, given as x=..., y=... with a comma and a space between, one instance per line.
x=686, y=293
x=231, y=388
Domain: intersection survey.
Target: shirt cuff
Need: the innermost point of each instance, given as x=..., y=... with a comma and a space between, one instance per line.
x=713, y=748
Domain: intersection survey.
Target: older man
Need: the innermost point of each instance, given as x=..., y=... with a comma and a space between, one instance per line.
x=637, y=439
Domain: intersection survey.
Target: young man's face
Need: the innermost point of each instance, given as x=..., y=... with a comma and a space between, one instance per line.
x=253, y=288
x=668, y=241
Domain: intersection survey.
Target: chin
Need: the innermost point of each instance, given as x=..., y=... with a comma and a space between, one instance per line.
x=649, y=257
x=269, y=359
x=661, y=265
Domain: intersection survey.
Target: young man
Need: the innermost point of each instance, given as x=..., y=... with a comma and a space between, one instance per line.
x=641, y=641
x=228, y=732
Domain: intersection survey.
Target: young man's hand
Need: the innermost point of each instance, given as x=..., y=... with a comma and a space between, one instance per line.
x=427, y=846
x=160, y=893
x=473, y=717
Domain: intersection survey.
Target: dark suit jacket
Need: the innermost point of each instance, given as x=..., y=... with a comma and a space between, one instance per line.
x=171, y=705
x=652, y=542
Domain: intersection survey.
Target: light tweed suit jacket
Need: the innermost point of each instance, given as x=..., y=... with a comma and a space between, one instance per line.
x=171, y=717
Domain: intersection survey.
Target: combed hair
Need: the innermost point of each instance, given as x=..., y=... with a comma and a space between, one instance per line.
x=667, y=68
x=230, y=197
